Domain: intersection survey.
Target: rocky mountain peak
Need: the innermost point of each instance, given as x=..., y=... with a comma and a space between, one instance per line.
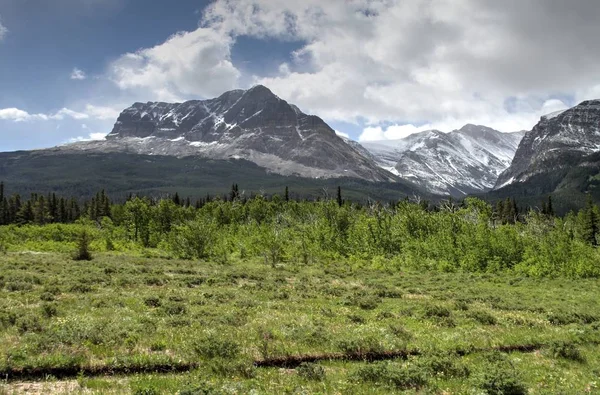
x=555, y=141
x=252, y=124
x=468, y=160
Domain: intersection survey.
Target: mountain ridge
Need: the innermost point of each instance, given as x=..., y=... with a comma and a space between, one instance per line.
x=458, y=163
x=252, y=124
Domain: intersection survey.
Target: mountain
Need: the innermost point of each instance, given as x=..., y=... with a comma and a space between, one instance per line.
x=556, y=142
x=459, y=163
x=560, y=156
x=120, y=174
x=253, y=124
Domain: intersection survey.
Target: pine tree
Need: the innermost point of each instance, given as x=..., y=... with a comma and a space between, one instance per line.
x=287, y=194
x=340, y=201
x=176, y=199
x=234, y=194
x=590, y=223
x=549, y=207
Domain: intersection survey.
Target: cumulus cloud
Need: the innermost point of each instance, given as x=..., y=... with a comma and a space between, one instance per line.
x=3, y=30
x=188, y=64
x=424, y=62
x=92, y=136
x=92, y=112
x=342, y=134
x=104, y=113
x=78, y=74
x=14, y=114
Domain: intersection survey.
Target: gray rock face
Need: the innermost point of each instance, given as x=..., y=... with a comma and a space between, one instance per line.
x=557, y=141
x=255, y=125
x=459, y=163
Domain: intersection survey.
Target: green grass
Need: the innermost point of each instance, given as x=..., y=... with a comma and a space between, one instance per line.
x=164, y=326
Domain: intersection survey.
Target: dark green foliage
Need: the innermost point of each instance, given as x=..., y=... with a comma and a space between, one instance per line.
x=49, y=310
x=501, y=380
x=482, y=317
x=443, y=364
x=152, y=301
x=174, y=308
x=311, y=371
x=433, y=311
x=215, y=347
x=566, y=350
x=83, y=248
x=398, y=377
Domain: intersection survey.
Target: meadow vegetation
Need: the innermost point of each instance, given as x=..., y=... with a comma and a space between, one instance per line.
x=278, y=296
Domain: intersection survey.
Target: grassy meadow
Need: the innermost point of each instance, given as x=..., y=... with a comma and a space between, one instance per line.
x=129, y=323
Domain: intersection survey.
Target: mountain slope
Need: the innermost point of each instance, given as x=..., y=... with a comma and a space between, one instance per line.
x=120, y=174
x=556, y=142
x=459, y=163
x=560, y=156
x=254, y=125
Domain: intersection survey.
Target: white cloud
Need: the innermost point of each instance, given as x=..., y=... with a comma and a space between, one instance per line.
x=67, y=113
x=18, y=115
x=92, y=136
x=78, y=74
x=438, y=62
x=342, y=134
x=188, y=64
x=14, y=114
x=104, y=113
x=3, y=30
x=522, y=120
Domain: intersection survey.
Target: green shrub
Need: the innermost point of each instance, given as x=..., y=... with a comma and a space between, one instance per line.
x=174, y=308
x=365, y=302
x=47, y=297
x=49, y=310
x=401, y=378
x=83, y=247
x=483, y=317
x=365, y=345
x=215, y=347
x=199, y=389
x=433, y=311
x=227, y=367
x=311, y=371
x=499, y=380
x=158, y=346
x=152, y=301
x=441, y=364
x=28, y=323
x=566, y=350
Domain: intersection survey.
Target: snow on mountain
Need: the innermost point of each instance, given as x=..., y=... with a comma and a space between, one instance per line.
x=559, y=140
x=253, y=124
x=462, y=162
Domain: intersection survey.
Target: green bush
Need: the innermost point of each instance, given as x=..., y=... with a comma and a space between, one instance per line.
x=83, y=247
x=401, y=378
x=483, y=317
x=566, y=350
x=215, y=347
x=442, y=364
x=152, y=301
x=311, y=371
x=499, y=380
x=436, y=311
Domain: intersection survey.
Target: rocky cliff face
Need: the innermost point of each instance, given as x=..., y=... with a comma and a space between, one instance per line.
x=459, y=163
x=254, y=124
x=558, y=141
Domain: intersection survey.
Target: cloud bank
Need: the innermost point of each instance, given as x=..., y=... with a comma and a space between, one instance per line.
x=397, y=66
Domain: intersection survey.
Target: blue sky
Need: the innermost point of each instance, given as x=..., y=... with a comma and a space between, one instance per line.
x=373, y=69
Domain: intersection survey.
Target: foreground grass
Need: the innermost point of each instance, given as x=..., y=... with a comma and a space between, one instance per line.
x=122, y=324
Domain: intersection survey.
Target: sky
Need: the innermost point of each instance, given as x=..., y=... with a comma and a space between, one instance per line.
x=373, y=69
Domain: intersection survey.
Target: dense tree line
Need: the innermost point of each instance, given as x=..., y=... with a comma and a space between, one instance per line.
x=471, y=235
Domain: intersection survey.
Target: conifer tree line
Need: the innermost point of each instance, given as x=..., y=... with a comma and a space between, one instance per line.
x=469, y=235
